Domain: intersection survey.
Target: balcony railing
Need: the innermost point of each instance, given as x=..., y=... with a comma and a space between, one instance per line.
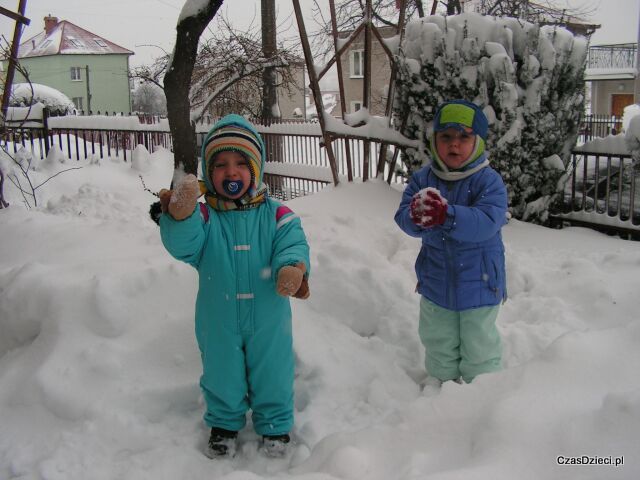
x=612, y=56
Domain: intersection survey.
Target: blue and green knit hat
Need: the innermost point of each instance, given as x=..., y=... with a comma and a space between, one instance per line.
x=461, y=115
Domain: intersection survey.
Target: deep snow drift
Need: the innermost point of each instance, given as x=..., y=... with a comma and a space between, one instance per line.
x=99, y=369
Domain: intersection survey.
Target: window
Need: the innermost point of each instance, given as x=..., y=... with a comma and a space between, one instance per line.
x=77, y=101
x=99, y=42
x=355, y=106
x=76, y=74
x=74, y=42
x=45, y=44
x=356, y=62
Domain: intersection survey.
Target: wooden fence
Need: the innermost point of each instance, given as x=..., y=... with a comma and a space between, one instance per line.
x=40, y=134
x=297, y=162
x=600, y=191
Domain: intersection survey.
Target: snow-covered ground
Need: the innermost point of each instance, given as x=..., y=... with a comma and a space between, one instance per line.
x=99, y=368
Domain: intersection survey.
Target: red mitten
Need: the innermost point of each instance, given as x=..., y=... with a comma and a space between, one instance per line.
x=428, y=208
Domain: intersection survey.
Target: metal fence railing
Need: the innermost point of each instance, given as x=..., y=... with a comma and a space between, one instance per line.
x=612, y=56
x=601, y=192
x=598, y=126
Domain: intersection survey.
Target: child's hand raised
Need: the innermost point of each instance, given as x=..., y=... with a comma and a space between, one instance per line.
x=428, y=208
x=290, y=278
x=181, y=201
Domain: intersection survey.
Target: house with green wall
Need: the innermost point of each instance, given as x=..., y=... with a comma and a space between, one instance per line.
x=92, y=71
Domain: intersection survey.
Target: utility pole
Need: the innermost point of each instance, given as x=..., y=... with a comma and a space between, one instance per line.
x=304, y=94
x=88, y=89
x=637, y=82
x=15, y=44
x=270, y=110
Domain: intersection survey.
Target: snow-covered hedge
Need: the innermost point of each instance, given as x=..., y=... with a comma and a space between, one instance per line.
x=27, y=94
x=528, y=78
x=632, y=137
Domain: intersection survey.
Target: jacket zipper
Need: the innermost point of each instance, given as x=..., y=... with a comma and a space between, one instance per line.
x=451, y=280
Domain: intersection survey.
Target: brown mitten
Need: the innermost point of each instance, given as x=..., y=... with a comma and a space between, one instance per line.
x=290, y=279
x=183, y=198
x=303, y=292
x=165, y=196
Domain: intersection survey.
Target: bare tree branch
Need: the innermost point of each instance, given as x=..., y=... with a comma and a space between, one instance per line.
x=227, y=74
x=350, y=14
x=540, y=11
x=53, y=176
x=25, y=170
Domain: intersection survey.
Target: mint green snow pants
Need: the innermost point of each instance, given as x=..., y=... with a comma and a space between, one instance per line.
x=459, y=344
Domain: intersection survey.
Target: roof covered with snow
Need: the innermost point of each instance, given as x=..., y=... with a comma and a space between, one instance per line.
x=65, y=38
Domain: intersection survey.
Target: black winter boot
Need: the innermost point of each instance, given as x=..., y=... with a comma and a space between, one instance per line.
x=222, y=443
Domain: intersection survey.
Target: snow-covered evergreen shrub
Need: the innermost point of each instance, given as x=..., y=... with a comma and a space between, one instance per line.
x=27, y=94
x=632, y=138
x=529, y=79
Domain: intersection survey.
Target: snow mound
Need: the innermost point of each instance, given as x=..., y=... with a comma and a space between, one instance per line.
x=99, y=367
x=92, y=202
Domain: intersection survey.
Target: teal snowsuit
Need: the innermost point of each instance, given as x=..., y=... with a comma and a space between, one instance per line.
x=243, y=327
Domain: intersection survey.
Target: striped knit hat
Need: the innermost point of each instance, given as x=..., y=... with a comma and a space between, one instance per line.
x=234, y=133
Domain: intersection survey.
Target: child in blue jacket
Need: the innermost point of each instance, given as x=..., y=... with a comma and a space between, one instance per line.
x=251, y=255
x=457, y=205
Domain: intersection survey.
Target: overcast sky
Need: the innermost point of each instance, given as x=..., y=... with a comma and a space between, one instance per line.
x=144, y=26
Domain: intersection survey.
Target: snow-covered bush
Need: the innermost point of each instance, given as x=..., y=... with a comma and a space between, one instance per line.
x=630, y=111
x=27, y=94
x=632, y=137
x=528, y=78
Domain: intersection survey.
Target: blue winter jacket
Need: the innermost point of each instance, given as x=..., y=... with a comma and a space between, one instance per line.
x=461, y=263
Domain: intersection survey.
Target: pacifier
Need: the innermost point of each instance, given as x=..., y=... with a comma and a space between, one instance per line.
x=232, y=187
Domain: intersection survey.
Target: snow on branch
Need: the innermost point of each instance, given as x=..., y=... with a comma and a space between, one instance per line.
x=367, y=127
x=192, y=8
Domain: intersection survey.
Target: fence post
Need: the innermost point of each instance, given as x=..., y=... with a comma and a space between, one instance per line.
x=45, y=130
x=3, y=203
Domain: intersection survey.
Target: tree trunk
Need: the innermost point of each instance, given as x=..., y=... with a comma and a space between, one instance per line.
x=177, y=82
x=453, y=7
x=270, y=110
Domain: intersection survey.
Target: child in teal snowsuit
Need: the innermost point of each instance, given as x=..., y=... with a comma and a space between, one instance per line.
x=457, y=205
x=251, y=254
